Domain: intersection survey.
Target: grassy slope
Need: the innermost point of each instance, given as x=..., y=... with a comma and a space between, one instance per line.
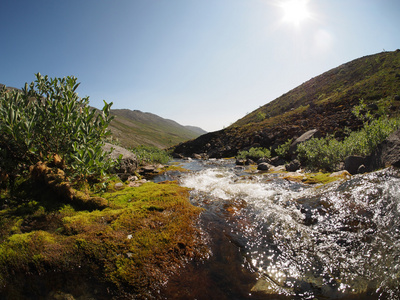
x=324, y=103
x=133, y=128
x=370, y=78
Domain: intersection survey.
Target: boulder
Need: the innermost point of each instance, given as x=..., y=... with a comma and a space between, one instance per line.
x=263, y=166
x=129, y=162
x=304, y=137
x=293, y=166
x=353, y=163
x=277, y=161
x=387, y=153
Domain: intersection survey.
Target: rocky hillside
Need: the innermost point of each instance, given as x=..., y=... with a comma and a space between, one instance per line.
x=133, y=128
x=324, y=103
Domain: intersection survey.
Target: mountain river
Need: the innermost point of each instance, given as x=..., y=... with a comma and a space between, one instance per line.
x=271, y=238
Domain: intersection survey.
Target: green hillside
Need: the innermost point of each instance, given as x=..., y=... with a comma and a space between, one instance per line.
x=324, y=102
x=133, y=128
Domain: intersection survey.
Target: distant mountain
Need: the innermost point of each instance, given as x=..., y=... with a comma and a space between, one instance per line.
x=133, y=128
x=324, y=103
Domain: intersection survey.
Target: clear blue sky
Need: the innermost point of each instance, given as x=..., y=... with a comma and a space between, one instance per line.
x=199, y=62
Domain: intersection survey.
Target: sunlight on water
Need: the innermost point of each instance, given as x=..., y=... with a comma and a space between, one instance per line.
x=336, y=240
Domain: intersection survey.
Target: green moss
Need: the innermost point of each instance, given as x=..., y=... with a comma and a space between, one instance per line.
x=142, y=237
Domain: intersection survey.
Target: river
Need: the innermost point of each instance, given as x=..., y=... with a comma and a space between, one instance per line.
x=271, y=238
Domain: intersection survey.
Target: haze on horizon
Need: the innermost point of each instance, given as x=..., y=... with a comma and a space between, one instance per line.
x=202, y=63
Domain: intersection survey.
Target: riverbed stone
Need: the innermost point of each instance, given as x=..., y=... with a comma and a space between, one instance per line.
x=293, y=166
x=352, y=163
x=263, y=166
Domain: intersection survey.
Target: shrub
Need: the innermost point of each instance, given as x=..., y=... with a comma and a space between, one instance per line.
x=283, y=149
x=151, y=154
x=327, y=153
x=254, y=153
x=47, y=119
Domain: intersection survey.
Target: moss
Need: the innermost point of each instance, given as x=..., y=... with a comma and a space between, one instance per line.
x=133, y=245
x=316, y=178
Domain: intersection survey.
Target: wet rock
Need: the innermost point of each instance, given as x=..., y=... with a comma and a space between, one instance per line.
x=241, y=162
x=263, y=166
x=361, y=169
x=353, y=163
x=293, y=166
x=277, y=161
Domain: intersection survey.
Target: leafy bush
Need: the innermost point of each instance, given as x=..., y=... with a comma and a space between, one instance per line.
x=327, y=153
x=254, y=153
x=283, y=149
x=150, y=154
x=49, y=118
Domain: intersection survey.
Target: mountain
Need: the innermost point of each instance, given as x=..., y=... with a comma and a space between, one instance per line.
x=324, y=102
x=133, y=128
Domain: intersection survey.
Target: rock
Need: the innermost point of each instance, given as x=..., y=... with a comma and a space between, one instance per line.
x=277, y=161
x=353, y=163
x=387, y=153
x=361, y=169
x=293, y=166
x=196, y=156
x=397, y=98
x=304, y=137
x=263, y=166
x=119, y=186
x=263, y=160
x=129, y=162
x=240, y=162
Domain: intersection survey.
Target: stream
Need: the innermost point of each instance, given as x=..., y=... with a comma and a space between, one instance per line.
x=272, y=238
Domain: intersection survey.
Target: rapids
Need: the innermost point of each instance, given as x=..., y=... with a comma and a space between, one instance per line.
x=275, y=239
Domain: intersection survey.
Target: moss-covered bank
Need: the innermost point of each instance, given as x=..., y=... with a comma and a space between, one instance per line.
x=130, y=242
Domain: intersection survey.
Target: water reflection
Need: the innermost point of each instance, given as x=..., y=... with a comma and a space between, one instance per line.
x=273, y=238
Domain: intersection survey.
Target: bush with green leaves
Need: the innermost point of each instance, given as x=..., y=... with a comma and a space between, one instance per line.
x=254, y=153
x=326, y=153
x=49, y=118
x=283, y=149
x=151, y=154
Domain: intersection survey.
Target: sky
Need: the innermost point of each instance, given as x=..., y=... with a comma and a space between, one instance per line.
x=204, y=63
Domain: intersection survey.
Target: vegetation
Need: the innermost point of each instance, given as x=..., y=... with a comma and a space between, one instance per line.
x=134, y=128
x=326, y=153
x=46, y=122
x=254, y=153
x=151, y=155
x=130, y=245
x=283, y=149
x=371, y=77
x=55, y=220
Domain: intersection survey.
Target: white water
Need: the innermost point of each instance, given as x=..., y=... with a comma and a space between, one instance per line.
x=332, y=241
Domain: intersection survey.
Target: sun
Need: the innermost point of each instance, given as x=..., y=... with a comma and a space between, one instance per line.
x=295, y=11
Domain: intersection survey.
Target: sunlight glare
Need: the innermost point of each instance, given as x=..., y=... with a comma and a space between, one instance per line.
x=295, y=11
